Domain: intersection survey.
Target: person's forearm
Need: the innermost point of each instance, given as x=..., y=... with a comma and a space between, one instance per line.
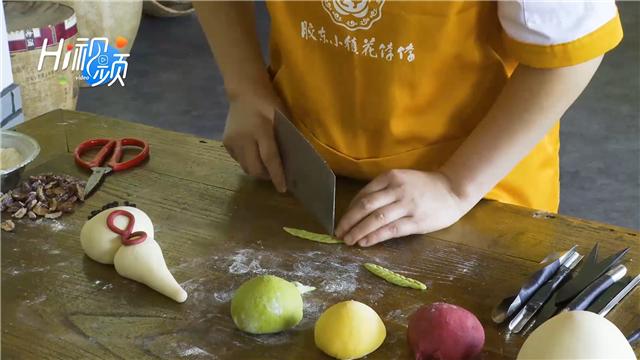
x=230, y=28
x=529, y=105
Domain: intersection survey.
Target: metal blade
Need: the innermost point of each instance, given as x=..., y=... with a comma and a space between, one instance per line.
x=559, y=255
x=307, y=175
x=592, y=258
x=627, y=289
x=521, y=319
x=571, y=257
x=548, y=310
x=95, y=178
x=609, y=294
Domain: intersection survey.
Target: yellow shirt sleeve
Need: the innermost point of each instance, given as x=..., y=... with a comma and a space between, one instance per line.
x=556, y=34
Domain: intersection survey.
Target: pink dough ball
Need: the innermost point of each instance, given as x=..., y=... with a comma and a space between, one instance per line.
x=445, y=332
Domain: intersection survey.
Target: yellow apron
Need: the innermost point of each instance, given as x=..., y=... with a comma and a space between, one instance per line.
x=379, y=85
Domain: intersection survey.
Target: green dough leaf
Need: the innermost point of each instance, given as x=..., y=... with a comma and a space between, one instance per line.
x=394, y=278
x=308, y=235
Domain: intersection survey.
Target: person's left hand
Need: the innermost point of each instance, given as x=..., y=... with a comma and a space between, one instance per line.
x=401, y=203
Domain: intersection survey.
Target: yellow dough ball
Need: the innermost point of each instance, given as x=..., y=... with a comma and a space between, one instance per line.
x=349, y=330
x=576, y=335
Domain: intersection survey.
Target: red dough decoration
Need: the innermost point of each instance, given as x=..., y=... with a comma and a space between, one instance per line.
x=127, y=237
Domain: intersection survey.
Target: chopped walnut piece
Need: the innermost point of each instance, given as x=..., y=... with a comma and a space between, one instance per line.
x=8, y=225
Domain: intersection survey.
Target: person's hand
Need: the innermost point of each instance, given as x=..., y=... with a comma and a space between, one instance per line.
x=249, y=138
x=401, y=203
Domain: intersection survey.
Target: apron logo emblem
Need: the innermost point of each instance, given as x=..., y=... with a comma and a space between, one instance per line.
x=354, y=14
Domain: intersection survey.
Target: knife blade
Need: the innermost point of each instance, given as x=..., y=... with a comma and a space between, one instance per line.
x=608, y=295
x=543, y=294
x=548, y=310
x=95, y=179
x=308, y=177
x=624, y=292
x=591, y=292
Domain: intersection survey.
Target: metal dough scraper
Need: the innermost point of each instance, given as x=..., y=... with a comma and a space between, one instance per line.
x=309, y=178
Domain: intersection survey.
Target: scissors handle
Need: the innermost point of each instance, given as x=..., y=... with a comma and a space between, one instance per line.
x=115, y=163
x=114, y=147
x=106, y=144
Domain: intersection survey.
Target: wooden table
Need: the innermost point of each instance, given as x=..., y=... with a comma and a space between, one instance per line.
x=218, y=228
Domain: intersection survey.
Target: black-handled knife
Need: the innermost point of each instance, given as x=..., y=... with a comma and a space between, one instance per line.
x=591, y=292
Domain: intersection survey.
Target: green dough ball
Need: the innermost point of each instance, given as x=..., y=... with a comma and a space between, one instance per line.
x=266, y=304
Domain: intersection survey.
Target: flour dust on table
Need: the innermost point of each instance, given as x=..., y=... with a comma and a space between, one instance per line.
x=334, y=273
x=245, y=261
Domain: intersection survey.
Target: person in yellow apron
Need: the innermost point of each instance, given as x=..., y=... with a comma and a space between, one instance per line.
x=439, y=104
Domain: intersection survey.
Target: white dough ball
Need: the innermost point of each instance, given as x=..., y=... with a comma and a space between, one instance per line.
x=100, y=243
x=576, y=335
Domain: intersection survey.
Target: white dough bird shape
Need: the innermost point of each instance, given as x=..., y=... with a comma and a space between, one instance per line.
x=123, y=236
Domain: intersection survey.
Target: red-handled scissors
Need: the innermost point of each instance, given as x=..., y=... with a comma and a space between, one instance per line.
x=101, y=164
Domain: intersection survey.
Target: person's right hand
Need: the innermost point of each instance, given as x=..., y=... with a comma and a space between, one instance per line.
x=249, y=138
